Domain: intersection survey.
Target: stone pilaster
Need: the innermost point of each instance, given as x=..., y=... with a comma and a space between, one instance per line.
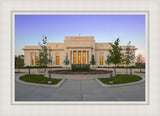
x=72, y=56
x=81, y=56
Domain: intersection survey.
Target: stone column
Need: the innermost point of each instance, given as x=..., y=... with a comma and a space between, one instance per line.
x=53, y=58
x=86, y=56
x=90, y=55
x=70, y=61
x=72, y=56
x=77, y=57
x=81, y=56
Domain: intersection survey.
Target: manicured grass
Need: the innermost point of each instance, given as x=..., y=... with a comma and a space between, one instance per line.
x=121, y=79
x=33, y=78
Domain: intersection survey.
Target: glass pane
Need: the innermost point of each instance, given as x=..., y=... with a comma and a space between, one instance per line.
x=84, y=57
x=101, y=60
x=36, y=60
x=57, y=60
x=74, y=58
x=79, y=57
x=32, y=60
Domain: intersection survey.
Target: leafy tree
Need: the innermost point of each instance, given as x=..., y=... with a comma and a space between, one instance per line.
x=66, y=61
x=43, y=54
x=19, y=62
x=115, y=54
x=108, y=61
x=139, y=60
x=92, y=62
x=128, y=57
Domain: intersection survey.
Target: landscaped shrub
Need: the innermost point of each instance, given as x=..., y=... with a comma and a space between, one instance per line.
x=80, y=67
x=117, y=67
x=79, y=72
x=39, y=67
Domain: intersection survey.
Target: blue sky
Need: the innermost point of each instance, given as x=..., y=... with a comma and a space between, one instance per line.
x=29, y=29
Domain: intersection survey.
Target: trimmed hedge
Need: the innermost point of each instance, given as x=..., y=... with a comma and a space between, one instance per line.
x=80, y=67
x=117, y=67
x=37, y=67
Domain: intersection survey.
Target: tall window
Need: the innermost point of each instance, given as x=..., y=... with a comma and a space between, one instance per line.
x=32, y=60
x=79, y=57
x=84, y=57
x=36, y=60
x=122, y=63
x=74, y=57
x=101, y=60
x=57, y=60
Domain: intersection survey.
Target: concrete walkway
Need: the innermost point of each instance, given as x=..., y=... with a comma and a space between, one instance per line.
x=79, y=90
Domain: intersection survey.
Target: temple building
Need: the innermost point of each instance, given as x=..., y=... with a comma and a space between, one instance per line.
x=79, y=50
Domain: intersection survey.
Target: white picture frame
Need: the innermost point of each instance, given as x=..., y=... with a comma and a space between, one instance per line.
x=151, y=107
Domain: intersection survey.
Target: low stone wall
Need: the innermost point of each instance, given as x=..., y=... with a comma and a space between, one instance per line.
x=79, y=77
x=38, y=69
x=119, y=70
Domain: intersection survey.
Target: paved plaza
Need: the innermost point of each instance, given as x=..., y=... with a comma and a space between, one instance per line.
x=79, y=90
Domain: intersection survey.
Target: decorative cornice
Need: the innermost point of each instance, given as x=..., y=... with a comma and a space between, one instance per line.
x=48, y=49
x=79, y=47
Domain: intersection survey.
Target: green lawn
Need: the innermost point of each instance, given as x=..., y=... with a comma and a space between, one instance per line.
x=121, y=79
x=33, y=78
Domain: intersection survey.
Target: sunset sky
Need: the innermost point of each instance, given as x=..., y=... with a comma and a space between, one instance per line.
x=29, y=29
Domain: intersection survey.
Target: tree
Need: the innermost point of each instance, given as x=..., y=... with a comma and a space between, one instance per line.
x=128, y=57
x=92, y=62
x=115, y=54
x=108, y=61
x=66, y=61
x=19, y=62
x=43, y=54
x=139, y=60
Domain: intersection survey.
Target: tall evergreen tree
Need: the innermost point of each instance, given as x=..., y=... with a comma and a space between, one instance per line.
x=66, y=61
x=115, y=54
x=92, y=62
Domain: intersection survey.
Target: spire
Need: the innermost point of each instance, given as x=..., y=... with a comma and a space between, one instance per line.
x=79, y=34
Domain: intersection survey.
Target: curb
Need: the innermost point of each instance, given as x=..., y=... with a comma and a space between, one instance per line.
x=39, y=85
x=120, y=85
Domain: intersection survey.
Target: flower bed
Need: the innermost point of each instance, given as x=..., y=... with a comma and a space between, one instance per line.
x=79, y=72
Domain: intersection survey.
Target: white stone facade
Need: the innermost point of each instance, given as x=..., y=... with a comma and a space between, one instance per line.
x=78, y=48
